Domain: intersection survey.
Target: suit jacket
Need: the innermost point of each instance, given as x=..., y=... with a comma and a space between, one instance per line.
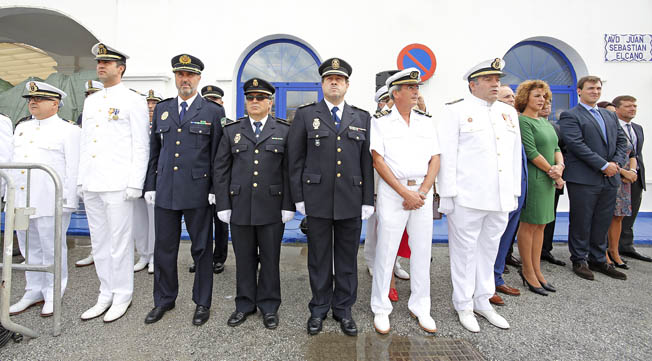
x=587, y=150
x=331, y=171
x=638, y=130
x=254, y=171
x=182, y=153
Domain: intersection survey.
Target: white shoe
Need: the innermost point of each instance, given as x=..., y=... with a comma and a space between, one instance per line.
x=150, y=268
x=371, y=271
x=400, y=272
x=494, y=318
x=142, y=263
x=467, y=319
x=85, y=262
x=426, y=322
x=22, y=305
x=116, y=311
x=95, y=311
x=381, y=324
x=48, y=309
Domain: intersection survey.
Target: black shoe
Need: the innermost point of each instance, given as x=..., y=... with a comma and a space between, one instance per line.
x=512, y=261
x=238, y=317
x=581, y=269
x=314, y=325
x=619, y=265
x=635, y=255
x=538, y=290
x=347, y=325
x=548, y=287
x=191, y=269
x=218, y=267
x=547, y=256
x=607, y=269
x=202, y=313
x=270, y=320
x=157, y=313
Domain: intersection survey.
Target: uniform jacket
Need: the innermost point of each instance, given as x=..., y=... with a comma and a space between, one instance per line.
x=480, y=154
x=587, y=150
x=182, y=153
x=331, y=171
x=114, y=140
x=53, y=142
x=254, y=171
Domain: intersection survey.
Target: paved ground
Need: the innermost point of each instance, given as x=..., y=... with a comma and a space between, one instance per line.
x=604, y=319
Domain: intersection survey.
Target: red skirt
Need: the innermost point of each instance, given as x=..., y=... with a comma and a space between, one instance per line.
x=404, y=247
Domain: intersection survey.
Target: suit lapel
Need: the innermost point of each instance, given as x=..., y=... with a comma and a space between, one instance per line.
x=638, y=130
x=325, y=116
x=245, y=128
x=612, y=131
x=593, y=121
x=347, y=118
x=173, y=111
x=268, y=129
x=193, y=110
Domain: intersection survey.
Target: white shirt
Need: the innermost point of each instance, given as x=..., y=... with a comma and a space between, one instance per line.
x=633, y=138
x=480, y=154
x=53, y=142
x=253, y=127
x=340, y=108
x=189, y=102
x=115, y=141
x=407, y=150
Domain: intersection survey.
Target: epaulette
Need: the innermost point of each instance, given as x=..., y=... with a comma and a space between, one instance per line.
x=419, y=111
x=283, y=121
x=165, y=100
x=228, y=121
x=354, y=107
x=455, y=101
x=382, y=113
x=305, y=105
x=29, y=117
x=70, y=121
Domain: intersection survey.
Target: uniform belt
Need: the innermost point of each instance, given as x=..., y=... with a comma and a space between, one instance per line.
x=411, y=181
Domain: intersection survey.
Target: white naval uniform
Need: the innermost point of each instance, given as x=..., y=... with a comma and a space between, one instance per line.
x=144, y=229
x=407, y=151
x=114, y=156
x=481, y=173
x=6, y=133
x=53, y=142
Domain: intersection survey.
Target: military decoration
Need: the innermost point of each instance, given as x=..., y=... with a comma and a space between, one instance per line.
x=508, y=120
x=113, y=113
x=315, y=123
x=237, y=138
x=164, y=115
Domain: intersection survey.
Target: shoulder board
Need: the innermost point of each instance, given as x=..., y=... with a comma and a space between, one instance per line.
x=283, y=121
x=210, y=102
x=419, y=111
x=226, y=122
x=69, y=121
x=305, y=105
x=5, y=115
x=29, y=117
x=455, y=101
x=354, y=107
x=382, y=113
x=165, y=100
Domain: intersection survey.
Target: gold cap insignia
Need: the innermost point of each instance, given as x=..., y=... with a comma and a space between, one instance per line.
x=496, y=64
x=209, y=88
x=255, y=82
x=335, y=64
x=33, y=87
x=414, y=74
x=236, y=139
x=184, y=59
x=315, y=123
x=101, y=49
x=164, y=115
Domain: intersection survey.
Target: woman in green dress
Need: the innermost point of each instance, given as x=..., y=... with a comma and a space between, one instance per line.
x=545, y=167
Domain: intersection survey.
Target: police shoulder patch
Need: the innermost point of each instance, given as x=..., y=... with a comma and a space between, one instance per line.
x=283, y=121
x=305, y=105
x=230, y=122
x=382, y=113
x=455, y=101
x=419, y=111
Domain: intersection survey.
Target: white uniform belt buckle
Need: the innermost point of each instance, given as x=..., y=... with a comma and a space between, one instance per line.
x=411, y=182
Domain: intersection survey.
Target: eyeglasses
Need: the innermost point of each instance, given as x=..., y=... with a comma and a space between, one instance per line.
x=38, y=99
x=258, y=97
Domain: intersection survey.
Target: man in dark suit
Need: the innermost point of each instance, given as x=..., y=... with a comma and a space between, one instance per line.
x=252, y=165
x=596, y=150
x=626, y=111
x=331, y=177
x=183, y=144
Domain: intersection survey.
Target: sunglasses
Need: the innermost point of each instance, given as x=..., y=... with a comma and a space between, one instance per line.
x=258, y=97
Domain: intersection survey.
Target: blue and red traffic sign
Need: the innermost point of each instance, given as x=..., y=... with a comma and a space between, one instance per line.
x=418, y=56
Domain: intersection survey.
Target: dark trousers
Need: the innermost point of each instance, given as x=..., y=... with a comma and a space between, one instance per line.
x=221, y=249
x=262, y=290
x=342, y=237
x=506, y=240
x=591, y=210
x=549, y=231
x=199, y=222
x=626, y=243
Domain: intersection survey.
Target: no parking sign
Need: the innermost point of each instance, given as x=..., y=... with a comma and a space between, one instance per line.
x=418, y=56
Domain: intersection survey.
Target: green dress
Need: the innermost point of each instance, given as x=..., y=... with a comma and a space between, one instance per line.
x=539, y=138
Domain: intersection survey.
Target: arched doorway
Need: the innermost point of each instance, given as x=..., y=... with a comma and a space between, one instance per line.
x=290, y=66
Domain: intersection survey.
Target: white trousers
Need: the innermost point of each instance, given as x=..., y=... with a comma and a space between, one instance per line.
x=144, y=229
x=392, y=221
x=111, y=226
x=370, y=240
x=473, y=238
x=40, y=285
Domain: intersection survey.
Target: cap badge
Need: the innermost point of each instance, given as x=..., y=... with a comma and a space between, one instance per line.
x=496, y=64
x=101, y=49
x=255, y=82
x=151, y=93
x=315, y=123
x=236, y=139
x=184, y=59
x=209, y=88
x=414, y=74
x=335, y=64
x=33, y=87
x=164, y=115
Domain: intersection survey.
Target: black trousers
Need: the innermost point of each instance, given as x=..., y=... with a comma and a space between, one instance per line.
x=549, y=231
x=221, y=249
x=342, y=237
x=626, y=243
x=262, y=290
x=591, y=210
x=199, y=222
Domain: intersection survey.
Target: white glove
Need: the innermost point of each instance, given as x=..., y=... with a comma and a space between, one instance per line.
x=80, y=192
x=446, y=205
x=68, y=209
x=286, y=216
x=367, y=211
x=211, y=198
x=301, y=207
x=515, y=204
x=132, y=193
x=150, y=197
x=224, y=216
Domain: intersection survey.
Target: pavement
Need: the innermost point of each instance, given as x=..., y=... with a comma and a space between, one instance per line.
x=603, y=319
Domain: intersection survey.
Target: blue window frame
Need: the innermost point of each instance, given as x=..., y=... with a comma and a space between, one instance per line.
x=530, y=60
x=290, y=66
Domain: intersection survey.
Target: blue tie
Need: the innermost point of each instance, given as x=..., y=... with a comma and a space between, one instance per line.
x=598, y=117
x=257, y=131
x=336, y=118
x=184, y=105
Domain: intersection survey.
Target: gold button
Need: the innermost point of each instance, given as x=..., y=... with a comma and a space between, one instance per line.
x=317, y=136
x=497, y=138
x=94, y=140
x=357, y=138
x=93, y=155
x=176, y=155
x=179, y=130
x=31, y=141
x=97, y=125
x=205, y=175
x=200, y=131
x=498, y=154
x=178, y=142
x=231, y=192
x=339, y=162
x=275, y=150
x=255, y=185
x=38, y=128
x=256, y=151
x=339, y=175
x=500, y=170
x=339, y=150
x=25, y=155
x=256, y=161
x=255, y=172
x=100, y=110
x=339, y=138
x=22, y=188
x=360, y=182
x=237, y=150
x=22, y=172
x=175, y=168
x=308, y=181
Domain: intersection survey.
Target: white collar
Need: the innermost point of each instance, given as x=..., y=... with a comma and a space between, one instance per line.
x=264, y=120
x=330, y=106
x=481, y=101
x=189, y=101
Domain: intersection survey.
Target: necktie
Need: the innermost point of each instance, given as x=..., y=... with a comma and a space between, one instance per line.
x=631, y=138
x=257, y=131
x=336, y=119
x=598, y=117
x=184, y=105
